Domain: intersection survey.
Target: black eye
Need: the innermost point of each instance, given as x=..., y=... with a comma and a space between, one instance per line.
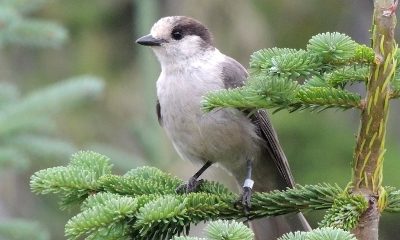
x=177, y=35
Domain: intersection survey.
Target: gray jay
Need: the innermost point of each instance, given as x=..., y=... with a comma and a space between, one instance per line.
x=246, y=146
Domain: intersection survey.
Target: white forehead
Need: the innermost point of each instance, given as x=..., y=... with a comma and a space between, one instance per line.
x=163, y=27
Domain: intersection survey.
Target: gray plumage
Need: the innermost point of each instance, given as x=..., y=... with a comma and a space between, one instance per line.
x=233, y=73
x=190, y=68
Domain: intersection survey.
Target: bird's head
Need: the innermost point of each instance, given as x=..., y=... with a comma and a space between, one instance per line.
x=177, y=38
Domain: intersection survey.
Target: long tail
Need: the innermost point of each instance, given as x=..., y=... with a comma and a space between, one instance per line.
x=267, y=178
x=271, y=171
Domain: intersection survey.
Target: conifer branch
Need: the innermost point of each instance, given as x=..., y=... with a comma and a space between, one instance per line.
x=273, y=74
x=224, y=230
x=143, y=204
x=345, y=212
x=16, y=29
x=314, y=197
x=219, y=230
x=326, y=233
x=334, y=48
x=275, y=93
x=284, y=62
x=395, y=85
x=327, y=97
x=109, y=214
x=19, y=229
x=364, y=54
x=393, y=201
x=345, y=75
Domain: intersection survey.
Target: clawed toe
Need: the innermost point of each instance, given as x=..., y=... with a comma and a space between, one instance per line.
x=244, y=200
x=191, y=185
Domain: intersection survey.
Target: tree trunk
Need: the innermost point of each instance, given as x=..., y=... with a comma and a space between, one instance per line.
x=370, y=148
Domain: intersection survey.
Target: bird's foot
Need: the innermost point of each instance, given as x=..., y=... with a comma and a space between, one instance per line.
x=245, y=198
x=191, y=185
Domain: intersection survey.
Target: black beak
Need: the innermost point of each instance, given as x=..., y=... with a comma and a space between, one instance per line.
x=149, y=40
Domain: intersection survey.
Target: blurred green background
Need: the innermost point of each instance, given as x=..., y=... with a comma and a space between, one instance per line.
x=110, y=108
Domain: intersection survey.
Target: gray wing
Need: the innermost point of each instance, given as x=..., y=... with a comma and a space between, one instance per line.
x=274, y=148
x=234, y=75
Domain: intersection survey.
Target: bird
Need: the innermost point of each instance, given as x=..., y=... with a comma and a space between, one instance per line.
x=243, y=143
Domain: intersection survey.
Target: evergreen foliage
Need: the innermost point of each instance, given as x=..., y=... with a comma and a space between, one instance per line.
x=27, y=126
x=320, y=234
x=17, y=29
x=345, y=212
x=315, y=78
x=26, y=122
x=222, y=229
x=19, y=229
x=143, y=203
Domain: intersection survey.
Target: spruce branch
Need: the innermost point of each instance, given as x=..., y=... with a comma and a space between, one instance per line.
x=133, y=186
x=65, y=180
x=24, y=6
x=327, y=97
x=393, y=200
x=345, y=212
x=35, y=33
x=316, y=81
x=288, y=63
x=188, y=238
x=112, y=232
x=347, y=74
x=91, y=161
x=314, y=197
x=99, y=199
x=295, y=236
x=112, y=212
x=331, y=61
x=261, y=60
x=332, y=47
x=364, y=54
x=49, y=100
x=76, y=181
x=395, y=85
x=326, y=233
x=274, y=93
x=224, y=230
x=19, y=229
x=143, y=204
x=15, y=29
x=229, y=230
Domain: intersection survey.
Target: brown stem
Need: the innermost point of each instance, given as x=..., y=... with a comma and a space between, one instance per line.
x=370, y=148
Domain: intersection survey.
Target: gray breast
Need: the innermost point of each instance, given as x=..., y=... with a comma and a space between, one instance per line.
x=224, y=135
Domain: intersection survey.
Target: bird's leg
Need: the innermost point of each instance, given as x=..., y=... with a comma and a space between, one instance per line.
x=245, y=198
x=192, y=184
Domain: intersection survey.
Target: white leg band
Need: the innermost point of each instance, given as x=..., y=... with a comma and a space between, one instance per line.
x=248, y=183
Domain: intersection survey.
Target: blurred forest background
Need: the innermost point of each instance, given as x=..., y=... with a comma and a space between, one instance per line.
x=86, y=85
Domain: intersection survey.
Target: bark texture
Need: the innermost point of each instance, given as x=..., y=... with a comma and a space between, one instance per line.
x=370, y=147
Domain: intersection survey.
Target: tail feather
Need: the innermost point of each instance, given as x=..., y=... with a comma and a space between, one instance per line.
x=267, y=178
